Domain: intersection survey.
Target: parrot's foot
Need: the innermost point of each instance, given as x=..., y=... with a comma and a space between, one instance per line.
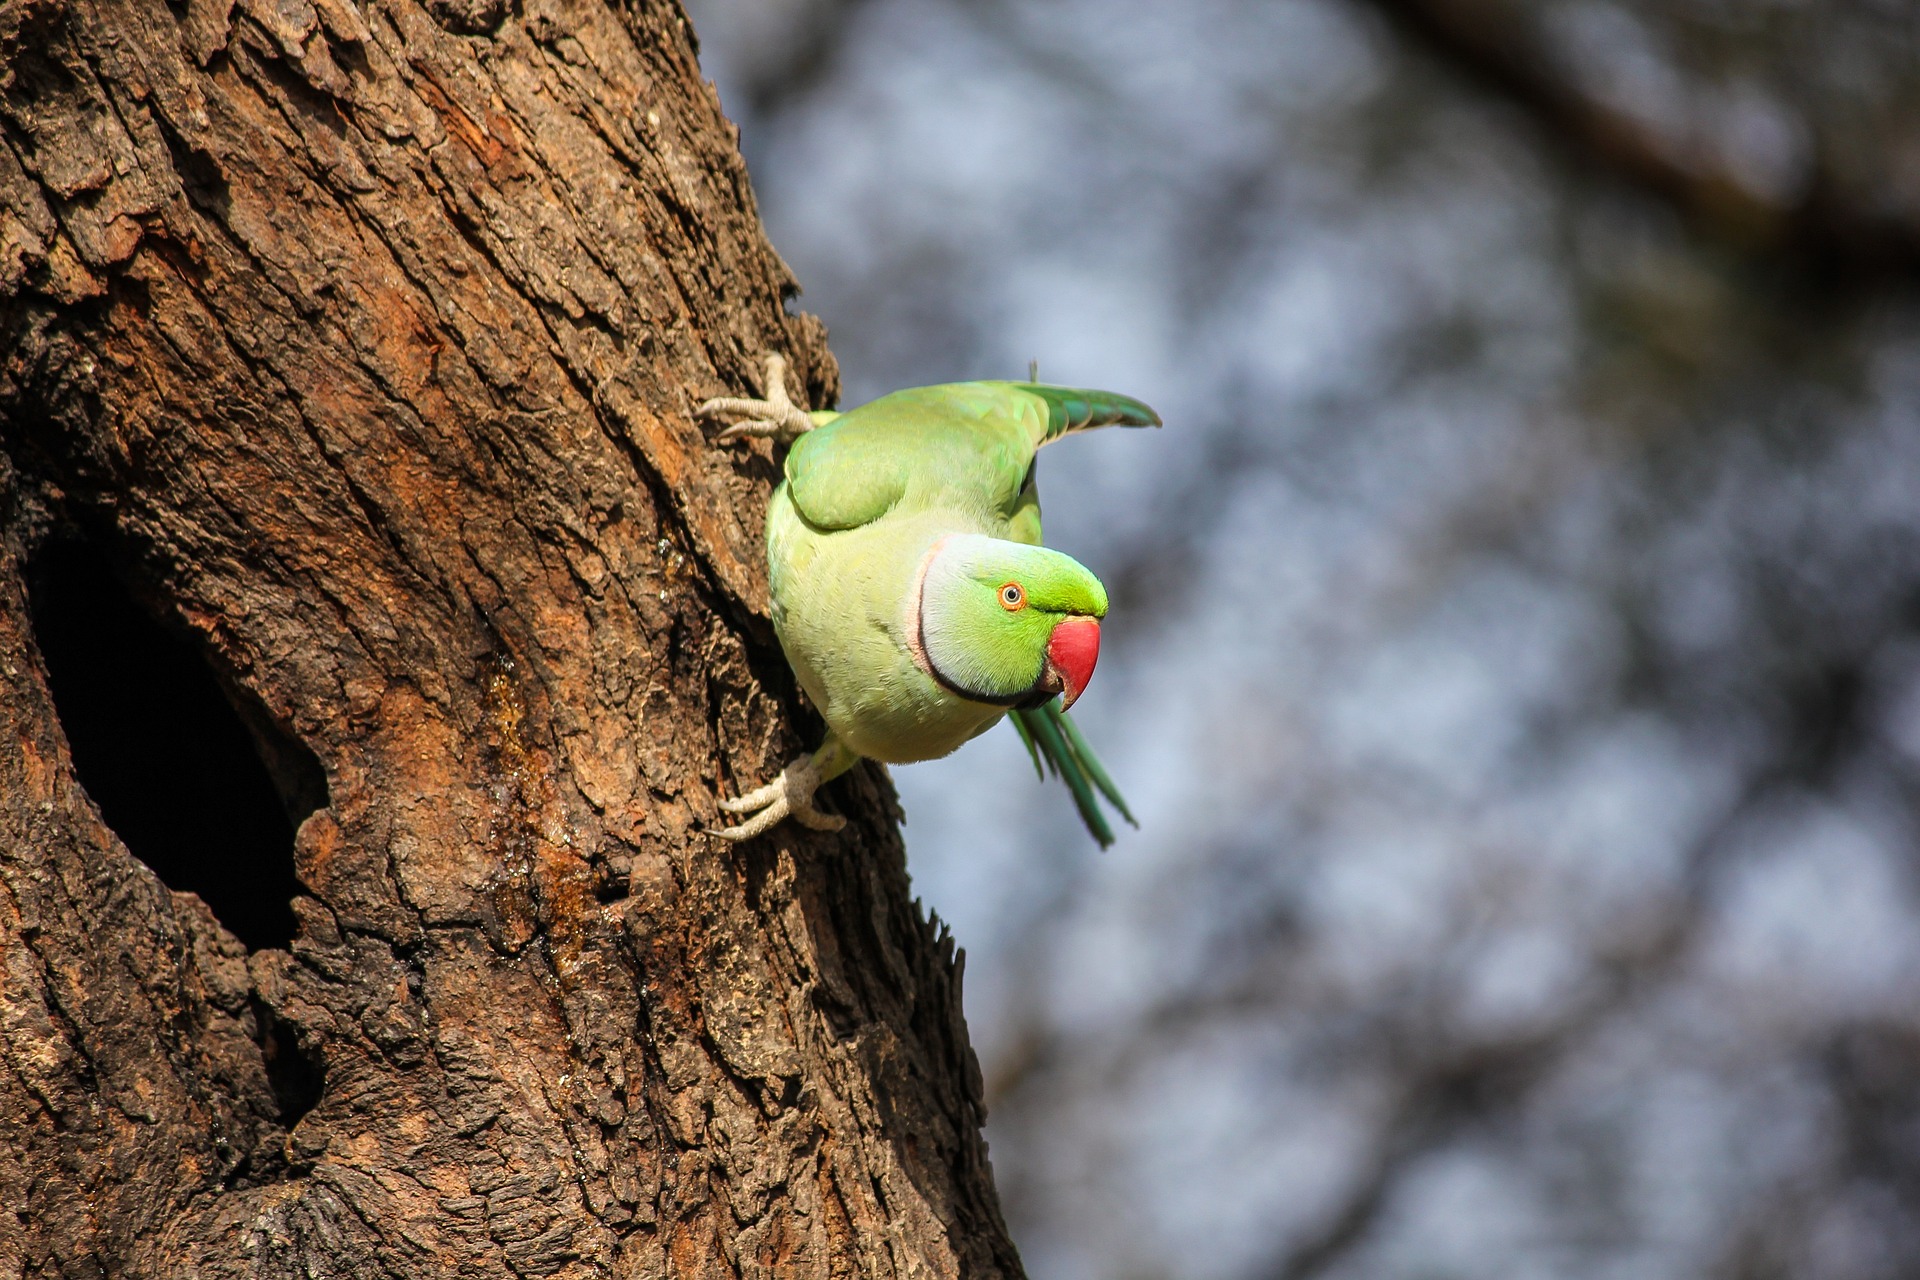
x=776, y=418
x=789, y=795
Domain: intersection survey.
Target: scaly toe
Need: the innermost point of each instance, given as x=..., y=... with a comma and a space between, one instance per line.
x=761, y=822
x=753, y=801
x=734, y=404
x=765, y=820
x=773, y=417
x=789, y=794
x=808, y=816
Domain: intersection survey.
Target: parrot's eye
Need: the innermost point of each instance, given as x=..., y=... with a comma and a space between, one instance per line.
x=1012, y=597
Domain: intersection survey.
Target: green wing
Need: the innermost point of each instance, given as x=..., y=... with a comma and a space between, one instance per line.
x=1071, y=409
x=1052, y=736
x=965, y=443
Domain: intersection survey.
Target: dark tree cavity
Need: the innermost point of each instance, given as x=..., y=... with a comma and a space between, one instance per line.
x=163, y=754
x=377, y=630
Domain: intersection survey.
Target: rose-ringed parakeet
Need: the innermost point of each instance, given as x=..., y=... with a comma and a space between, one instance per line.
x=910, y=590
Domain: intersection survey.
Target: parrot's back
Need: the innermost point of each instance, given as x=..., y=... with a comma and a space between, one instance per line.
x=964, y=446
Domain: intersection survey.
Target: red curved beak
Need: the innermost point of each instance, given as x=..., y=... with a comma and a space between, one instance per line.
x=1071, y=653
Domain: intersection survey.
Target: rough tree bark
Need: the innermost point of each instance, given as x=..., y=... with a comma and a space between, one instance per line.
x=362, y=334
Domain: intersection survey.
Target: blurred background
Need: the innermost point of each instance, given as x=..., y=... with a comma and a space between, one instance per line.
x=1515, y=650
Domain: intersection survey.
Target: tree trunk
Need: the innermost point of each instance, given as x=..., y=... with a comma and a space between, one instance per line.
x=358, y=339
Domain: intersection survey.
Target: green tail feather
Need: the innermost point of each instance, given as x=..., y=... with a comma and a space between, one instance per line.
x=1050, y=735
x=1078, y=409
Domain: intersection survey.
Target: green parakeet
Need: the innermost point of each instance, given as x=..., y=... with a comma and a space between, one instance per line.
x=910, y=590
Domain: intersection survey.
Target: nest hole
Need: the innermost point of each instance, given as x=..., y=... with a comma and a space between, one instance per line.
x=191, y=774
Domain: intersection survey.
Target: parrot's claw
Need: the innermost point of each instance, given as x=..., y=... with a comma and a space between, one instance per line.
x=789, y=795
x=775, y=418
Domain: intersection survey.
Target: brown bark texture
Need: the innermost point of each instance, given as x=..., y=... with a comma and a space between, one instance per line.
x=362, y=337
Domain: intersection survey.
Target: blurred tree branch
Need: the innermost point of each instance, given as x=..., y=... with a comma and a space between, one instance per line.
x=794, y=51
x=1820, y=234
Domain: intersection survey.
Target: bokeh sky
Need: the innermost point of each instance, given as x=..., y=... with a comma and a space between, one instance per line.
x=1514, y=660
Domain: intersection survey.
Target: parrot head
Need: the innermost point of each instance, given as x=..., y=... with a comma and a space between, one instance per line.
x=1005, y=623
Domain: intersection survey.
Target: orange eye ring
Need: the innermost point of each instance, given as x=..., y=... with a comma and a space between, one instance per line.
x=1013, y=597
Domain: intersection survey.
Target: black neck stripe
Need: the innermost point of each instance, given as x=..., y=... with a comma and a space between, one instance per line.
x=1023, y=700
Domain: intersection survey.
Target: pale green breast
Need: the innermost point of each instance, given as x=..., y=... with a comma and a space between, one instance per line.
x=841, y=603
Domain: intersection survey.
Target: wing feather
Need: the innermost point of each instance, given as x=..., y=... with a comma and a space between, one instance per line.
x=964, y=444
